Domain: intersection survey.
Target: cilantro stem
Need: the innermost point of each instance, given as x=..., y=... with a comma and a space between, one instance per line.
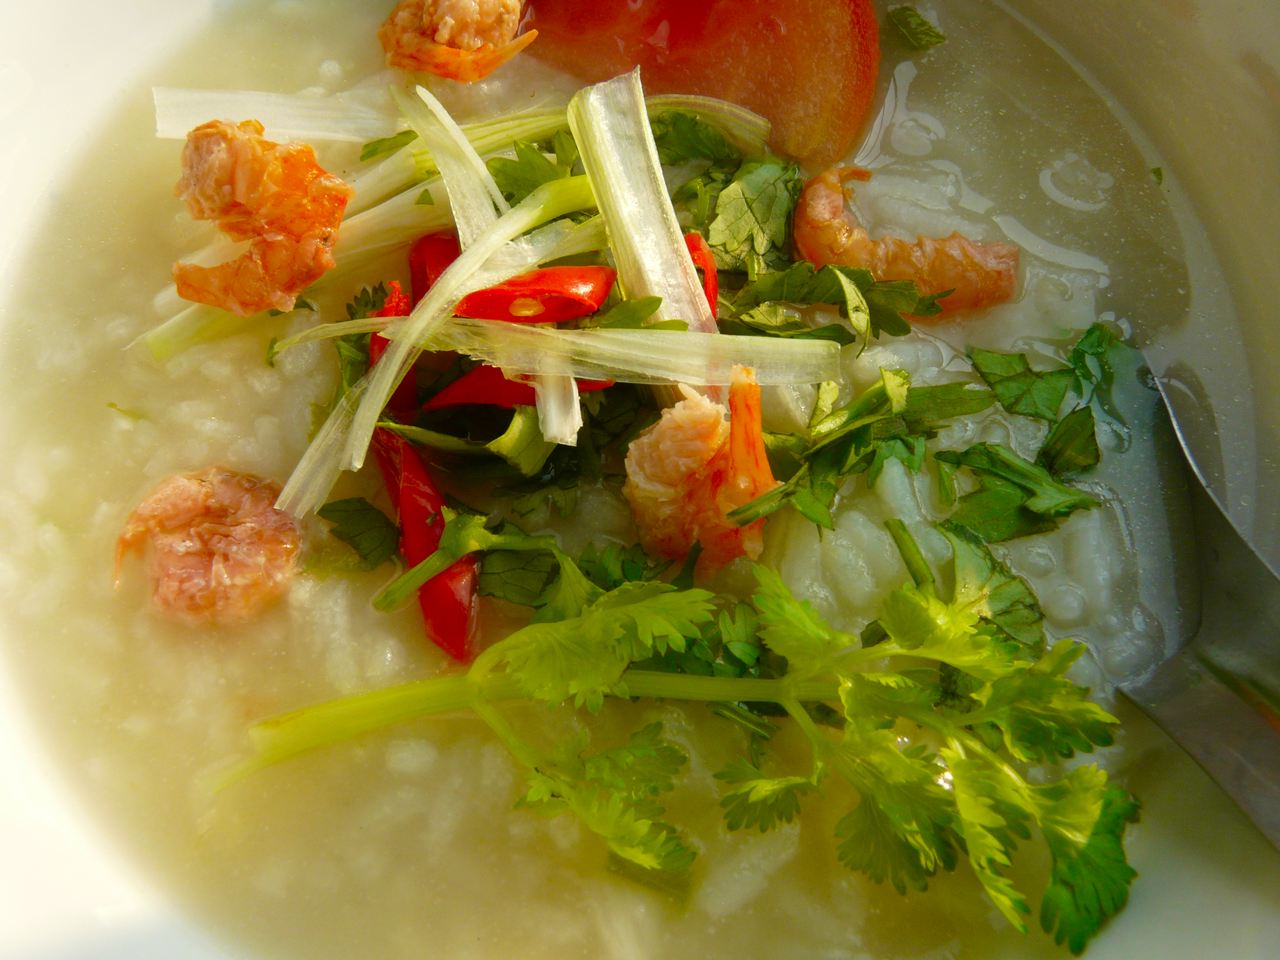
x=400, y=590
x=916, y=564
x=682, y=686
x=301, y=731
x=292, y=734
x=503, y=730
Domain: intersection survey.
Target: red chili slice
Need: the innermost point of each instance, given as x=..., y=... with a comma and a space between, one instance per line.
x=429, y=257
x=705, y=261
x=487, y=386
x=548, y=295
x=448, y=600
x=405, y=399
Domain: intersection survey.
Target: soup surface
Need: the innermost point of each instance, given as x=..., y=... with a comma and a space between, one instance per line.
x=404, y=843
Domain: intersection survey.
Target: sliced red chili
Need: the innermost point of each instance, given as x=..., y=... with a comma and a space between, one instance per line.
x=548, y=295
x=405, y=399
x=488, y=386
x=448, y=600
x=429, y=257
x=705, y=261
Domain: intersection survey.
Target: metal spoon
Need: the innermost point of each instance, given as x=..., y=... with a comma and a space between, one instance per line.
x=1217, y=691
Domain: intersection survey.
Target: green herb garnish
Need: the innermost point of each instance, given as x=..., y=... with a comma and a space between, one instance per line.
x=364, y=528
x=915, y=29
x=933, y=722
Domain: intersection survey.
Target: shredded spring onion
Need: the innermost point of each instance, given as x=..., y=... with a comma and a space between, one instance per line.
x=611, y=126
x=473, y=197
x=549, y=202
x=473, y=194
x=638, y=356
x=628, y=356
x=348, y=117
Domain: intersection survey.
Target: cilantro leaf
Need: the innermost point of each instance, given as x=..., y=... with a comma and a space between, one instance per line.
x=890, y=420
x=364, y=528
x=569, y=595
x=647, y=765
x=631, y=314
x=614, y=794
x=1072, y=445
x=1090, y=881
x=918, y=32
x=921, y=625
x=986, y=585
x=530, y=168
x=792, y=628
x=353, y=350
x=782, y=320
x=872, y=308
x=1093, y=360
x=900, y=830
x=991, y=818
x=613, y=565
x=1016, y=497
x=377, y=148
x=583, y=657
x=515, y=576
x=642, y=840
x=463, y=534
x=755, y=800
x=753, y=216
x=682, y=136
x=1042, y=715
x=1020, y=389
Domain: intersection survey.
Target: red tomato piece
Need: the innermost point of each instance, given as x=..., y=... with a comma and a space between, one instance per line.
x=808, y=65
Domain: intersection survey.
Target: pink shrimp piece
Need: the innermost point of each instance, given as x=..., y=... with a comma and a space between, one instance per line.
x=220, y=551
x=460, y=39
x=275, y=196
x=979, y=274
x=690, y=469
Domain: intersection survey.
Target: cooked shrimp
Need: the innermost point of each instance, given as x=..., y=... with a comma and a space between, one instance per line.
x=690, y=469
x=459, y=39
x=273, y=195
x=978, y=274
x=220, y=551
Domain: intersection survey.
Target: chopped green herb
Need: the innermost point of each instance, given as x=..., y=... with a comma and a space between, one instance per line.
x=872, y=308
x=630, y=314
x=753, y=215
x=1020, y=389
x=516, y=576
x=1094, y=359
x=682, y=137
x=1072, y=445
x=364, y=528
x=531, y=168
x=754, y=800
x=889, y=421
x=1015, y=497
x=1157, y=174
x=933, y=721
x=377, y=148
x=915, y=29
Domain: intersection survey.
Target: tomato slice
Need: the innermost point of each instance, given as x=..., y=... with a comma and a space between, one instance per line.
x=808, y=65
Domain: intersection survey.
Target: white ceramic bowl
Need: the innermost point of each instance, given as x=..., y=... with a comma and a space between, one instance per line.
x=1198, y=77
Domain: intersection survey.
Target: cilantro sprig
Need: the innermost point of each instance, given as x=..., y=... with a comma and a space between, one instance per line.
x=890, y=420
x=933, y=719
